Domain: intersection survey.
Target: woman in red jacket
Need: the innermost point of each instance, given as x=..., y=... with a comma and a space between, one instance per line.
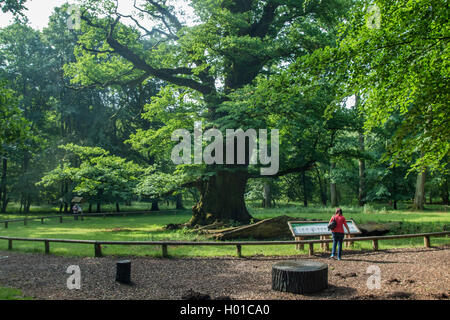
x=338, y=232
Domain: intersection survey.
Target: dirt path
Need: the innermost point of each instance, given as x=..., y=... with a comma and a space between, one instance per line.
x=405, y=274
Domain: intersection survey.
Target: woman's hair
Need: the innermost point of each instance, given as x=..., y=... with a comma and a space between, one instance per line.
x=338, y=211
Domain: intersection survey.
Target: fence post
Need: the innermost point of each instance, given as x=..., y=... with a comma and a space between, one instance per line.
x=60, y=219
x=10, y=244
x=300, y=246
x=98, y=250
x=426, y=241
x=42, y=220
x=6, y=224
x=47, y=247
x=239, y=250
x=375, y=244
x=326, y=244
x=348, y=243
x=351, y=242
x=311, y=249
x=164, y=251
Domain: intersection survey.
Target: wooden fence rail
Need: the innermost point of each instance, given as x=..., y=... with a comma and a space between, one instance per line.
x=165, y=244
x=75, y=217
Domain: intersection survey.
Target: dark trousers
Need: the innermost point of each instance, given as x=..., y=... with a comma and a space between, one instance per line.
x=338, y=238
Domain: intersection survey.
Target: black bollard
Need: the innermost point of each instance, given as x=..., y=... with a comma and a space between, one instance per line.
x=123, y=274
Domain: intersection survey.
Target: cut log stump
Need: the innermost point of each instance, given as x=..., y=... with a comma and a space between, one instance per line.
x=299, y=276
x=123, y=274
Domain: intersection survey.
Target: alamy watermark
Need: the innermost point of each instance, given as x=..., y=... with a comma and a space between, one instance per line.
x=373, y=20
x=374, y=281
x=74, y=20
x=255, y=148
x=74, y=281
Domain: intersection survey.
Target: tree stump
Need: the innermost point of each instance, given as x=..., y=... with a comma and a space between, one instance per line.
x=123, y=274
x=299, y=276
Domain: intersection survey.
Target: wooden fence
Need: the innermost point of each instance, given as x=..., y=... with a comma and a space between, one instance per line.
x=69, y=215
x=165, y=244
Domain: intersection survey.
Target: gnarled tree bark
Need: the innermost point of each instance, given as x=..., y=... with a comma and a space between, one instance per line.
x=222, y=199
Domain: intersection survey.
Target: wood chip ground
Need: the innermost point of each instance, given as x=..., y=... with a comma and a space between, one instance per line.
x=416, y=273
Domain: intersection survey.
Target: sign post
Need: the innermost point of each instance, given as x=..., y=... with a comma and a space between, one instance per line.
x=302, y=229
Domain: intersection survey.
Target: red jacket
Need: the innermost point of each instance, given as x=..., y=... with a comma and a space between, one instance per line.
x=340, y=222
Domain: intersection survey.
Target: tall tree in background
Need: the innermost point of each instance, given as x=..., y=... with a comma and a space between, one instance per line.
x=13, y=131
x=32, y=63
x=395, y=55
x=23, y=47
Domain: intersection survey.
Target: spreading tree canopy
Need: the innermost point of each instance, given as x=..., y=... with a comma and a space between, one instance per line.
x=209, y=61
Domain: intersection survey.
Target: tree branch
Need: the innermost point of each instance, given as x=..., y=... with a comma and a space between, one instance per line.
x=97, y=51
x=164, y=74
x=154, y=30
x=166, y=13
x=260, y=28
x=308, y=166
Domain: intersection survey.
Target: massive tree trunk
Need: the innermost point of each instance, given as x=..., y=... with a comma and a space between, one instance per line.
x=419, y=198
x=362, y=173
x=333, y=193
x=222, y=199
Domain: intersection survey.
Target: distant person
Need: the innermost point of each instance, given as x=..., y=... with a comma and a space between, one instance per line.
x=80, y=209
x=75, y=209
x=338, y=232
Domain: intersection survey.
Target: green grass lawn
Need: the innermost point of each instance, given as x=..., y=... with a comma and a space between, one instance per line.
x=12, y=294
x=149, y=227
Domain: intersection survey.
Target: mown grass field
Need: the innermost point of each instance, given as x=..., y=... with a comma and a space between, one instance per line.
x=150, y=227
